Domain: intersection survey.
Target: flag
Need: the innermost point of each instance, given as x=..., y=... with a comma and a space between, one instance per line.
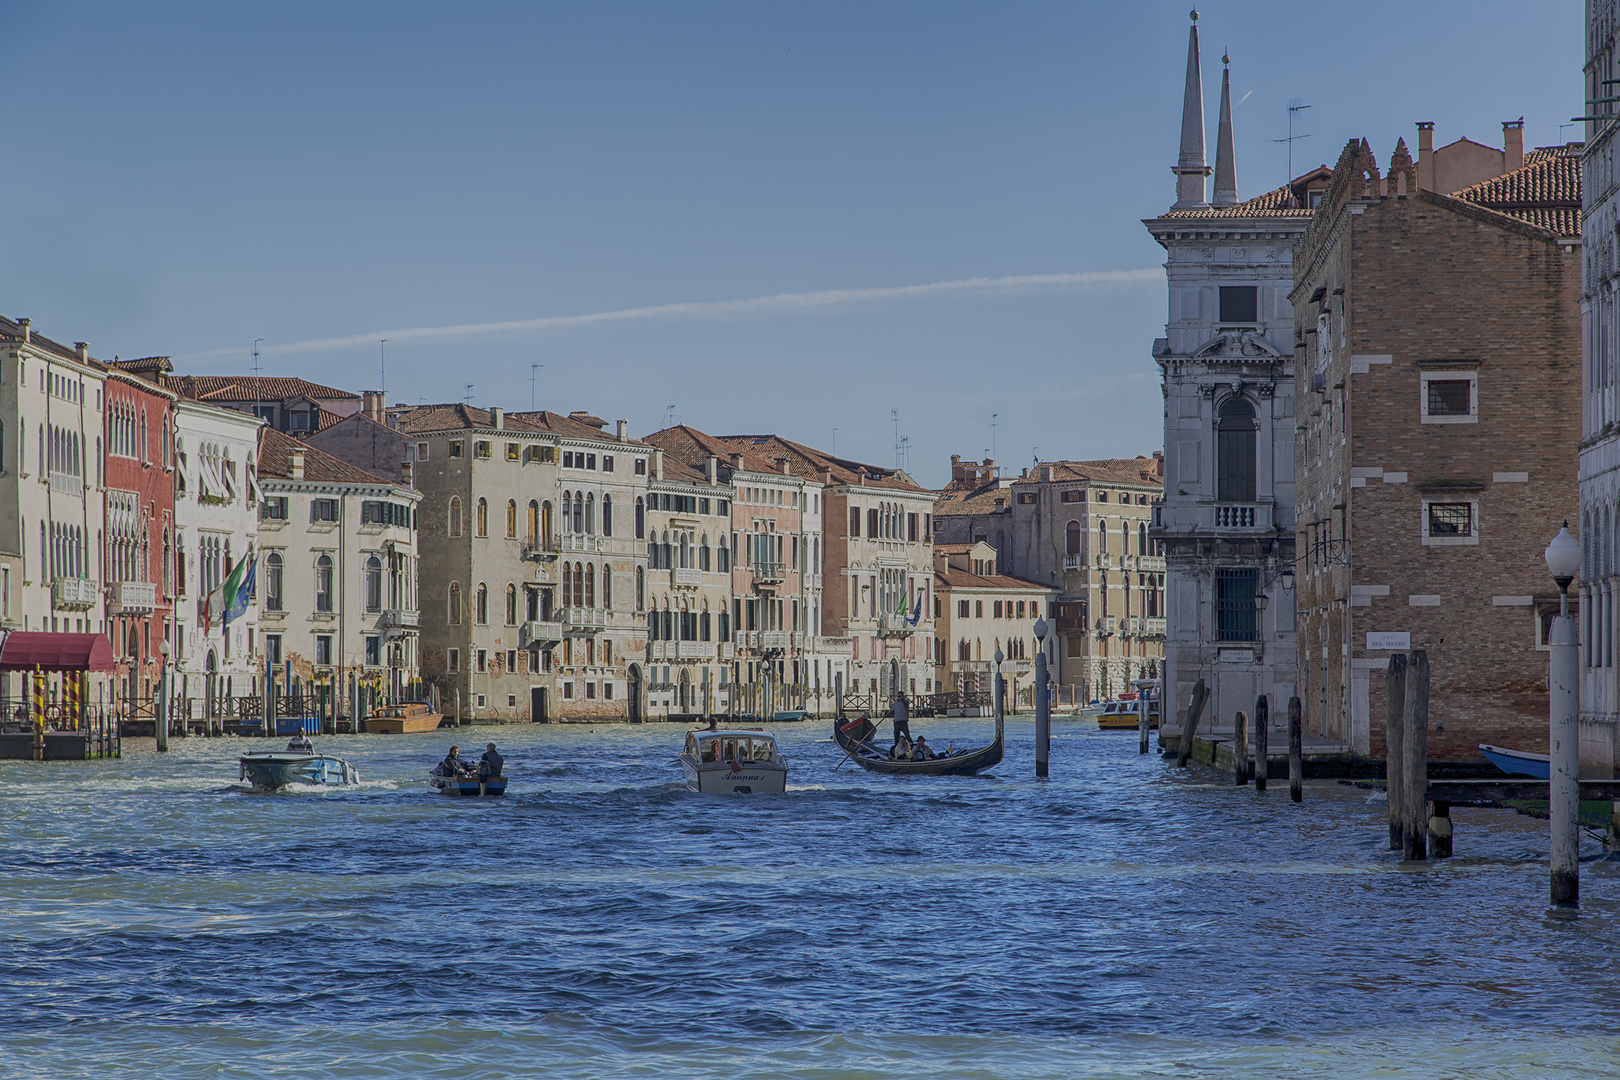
x=221, y=603
x=238, y=600
x=916, y=612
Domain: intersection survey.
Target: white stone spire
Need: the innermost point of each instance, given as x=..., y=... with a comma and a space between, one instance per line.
x=1225, y=156
x=1190, y=169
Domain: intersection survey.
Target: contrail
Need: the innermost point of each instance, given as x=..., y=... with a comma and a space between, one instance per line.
x=780, y=303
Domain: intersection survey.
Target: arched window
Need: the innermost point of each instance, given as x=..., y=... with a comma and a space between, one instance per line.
x=274, y=580
x=1141, y=538
x=323, y=583
x=481, y=605
x=511, y=519
x=568, y=511
x=511, y=604
x=534, y=522
x=579, y=512
x=1124, y=538
x=373, y=584
x=641, y=519
x=1234, y=451
x=1074, y=538
x=567, y=584
x=590, y=513
x=455, y=603
x=641, y=590
x=545, y=521
x=704, y=562
x=725, y=556
x=481, y=524
x=607, y=515
x=590, y=585
x=579, y=582
x=1102, y=537
x=607, y=586
x=686, y=553
x=455, y=516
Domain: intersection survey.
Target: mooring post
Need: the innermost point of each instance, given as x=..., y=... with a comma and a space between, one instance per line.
x=1194, y=707
x=1394, y=743
x=160, y=711
x=1143, y=707
x=1439, y=829
x=1240, y=749
x=1262, y=742
x=1296, y=751
x=1415, y=762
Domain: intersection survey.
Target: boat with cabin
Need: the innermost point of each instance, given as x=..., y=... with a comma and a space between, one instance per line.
x=1121, y=715
x=298, y=764
x=733, y=761
x=405, y=717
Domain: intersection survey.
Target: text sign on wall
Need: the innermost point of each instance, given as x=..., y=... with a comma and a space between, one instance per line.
x=1401, y=640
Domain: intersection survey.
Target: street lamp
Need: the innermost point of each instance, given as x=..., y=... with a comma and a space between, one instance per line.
x=1000, y=701
x=1563, y=557
x=160, y=712
x=1043, y=706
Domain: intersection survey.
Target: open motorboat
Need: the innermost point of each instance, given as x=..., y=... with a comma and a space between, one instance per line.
x=1518, y=762
x=466, y=784
x=298, y=764
x=733, y=761
x=404, y=718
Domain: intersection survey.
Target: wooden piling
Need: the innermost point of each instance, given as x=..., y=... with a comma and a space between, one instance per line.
x=1190, y=728
x=1296, y=751
x=1440, y=829
x=1262, y=742
x=1415, y=762
x=1143, y=708
x=1240, y=749
x=1394, y=742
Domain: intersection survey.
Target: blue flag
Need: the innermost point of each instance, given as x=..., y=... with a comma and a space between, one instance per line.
x=237, y=602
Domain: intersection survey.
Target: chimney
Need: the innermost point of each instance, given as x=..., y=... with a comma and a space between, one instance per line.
x=782, y=466
x=375, y=405
x=497, y=418
x=1425, y=161
x=711, y=469
x=658, y=464
x=826, y=477
x=295, y=464
x=407, y=474
x=83, y=347
x=736, y=461
x=1513, y=145
x=624, y=430
x=27, y=333
x=956, y=467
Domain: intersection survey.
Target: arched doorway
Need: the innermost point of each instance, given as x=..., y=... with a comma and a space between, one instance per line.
x=633, y=694
x=686, y=690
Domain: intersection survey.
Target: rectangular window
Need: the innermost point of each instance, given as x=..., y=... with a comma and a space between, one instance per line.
x=481, y=660
x=590, y=461
x=481, y=448
x=1240, y=304
x=480, y=701
x=641, y=466
x=607, y=462
x=1027, y=498
x=511, y=661
x=452, y=661
x=854, y=521
x=1074, y=496
x=323, y=650
x=421, y=451
x=568, y=690
x=1234, y=606
x=998, y=609
x=272, y=649
x=323, y=510
x=514, y=452
x=590, y=691
x=455, y=448
x=273, y=508
x=607, y=691
x=911, y=526
x=961, y=609
x=373, y=650
x=511, y=701
x=1450, y=522
x=978, y=609
x=1450, y=397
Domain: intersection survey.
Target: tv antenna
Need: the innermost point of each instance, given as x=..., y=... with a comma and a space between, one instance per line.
x=992, y=454
x=835, y=442
x=669, y=415
x=894, y=415
x=534, y=373
x=468, y=398
x=258, y=385
x=1295, y=105
x=382, y=361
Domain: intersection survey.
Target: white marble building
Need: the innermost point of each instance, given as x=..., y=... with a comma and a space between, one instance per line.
x=1227, y=519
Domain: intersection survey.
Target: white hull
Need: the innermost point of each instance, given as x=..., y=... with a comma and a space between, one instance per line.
x=752, y=778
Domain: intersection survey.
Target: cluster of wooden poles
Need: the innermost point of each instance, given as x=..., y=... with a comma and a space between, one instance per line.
x=1417, y=827
x=1244, y=766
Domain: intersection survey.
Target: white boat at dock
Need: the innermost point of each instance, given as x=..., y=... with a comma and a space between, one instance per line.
x=733, y=761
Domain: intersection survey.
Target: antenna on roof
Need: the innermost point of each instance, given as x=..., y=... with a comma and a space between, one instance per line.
x=669, y=415
x=257, y=408
x=468, y=398
x=534, y=372
x=1294, y=105
x=835, y=443
x=992, y=454
x=382, y=367
x=894, y=414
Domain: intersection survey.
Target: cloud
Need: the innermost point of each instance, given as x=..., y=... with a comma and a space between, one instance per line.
x=754, y=307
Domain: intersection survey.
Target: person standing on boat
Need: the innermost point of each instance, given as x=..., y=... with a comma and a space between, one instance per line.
x=902, y=716
x=300, y=744
x=489, y=766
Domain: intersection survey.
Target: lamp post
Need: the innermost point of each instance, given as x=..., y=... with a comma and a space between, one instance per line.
x=1563, y=736
x=160, y=713
x=997, y=690
x=1043, y=707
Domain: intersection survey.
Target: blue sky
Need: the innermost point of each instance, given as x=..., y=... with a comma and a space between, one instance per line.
x=186, y=178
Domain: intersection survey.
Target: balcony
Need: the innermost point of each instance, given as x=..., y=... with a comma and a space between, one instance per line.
x=1105, y=562
x=584, y=620
x=66, y=483
x=768, y=573
x=683, y=650
x=580, y=542
x=895, y=625
x=1106, y=626
x=74, y=594
x=682, y=577
x=1152, y=564
x=775, y=639
x=1074, y=562
x=744, y=639
x=134, y=597
x=399, y=619
x=541, y=548
x=1153, y=626
x=1236, y=517
x=727, y=651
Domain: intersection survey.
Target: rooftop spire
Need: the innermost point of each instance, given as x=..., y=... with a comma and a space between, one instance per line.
x=1190, y=169
x=1225, y=155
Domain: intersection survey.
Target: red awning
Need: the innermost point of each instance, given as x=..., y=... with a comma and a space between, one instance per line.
x=24, y=650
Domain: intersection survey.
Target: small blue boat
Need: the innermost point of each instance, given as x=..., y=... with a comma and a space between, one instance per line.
x=1517, y=762
x=467, y=785
x=275, y=769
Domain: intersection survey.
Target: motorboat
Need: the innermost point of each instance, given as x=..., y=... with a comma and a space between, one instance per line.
x=404, y=718
x=1518, y=762
x=854, y=737
x=275, y=769
x=1121, y=715
x=733, y=761
x=466, y=784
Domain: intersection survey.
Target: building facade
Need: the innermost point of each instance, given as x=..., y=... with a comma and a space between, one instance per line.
x=980, y=610
x=1438, y=333
x=337, y=575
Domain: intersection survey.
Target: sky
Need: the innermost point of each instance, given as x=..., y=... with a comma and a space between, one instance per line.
x=806, y=218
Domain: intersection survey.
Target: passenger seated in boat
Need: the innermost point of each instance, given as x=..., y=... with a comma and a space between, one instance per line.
x=452, y=764
x=490, y=764
x=901, y=750
x=922, y=751
x=300, y=744
x=711, y=750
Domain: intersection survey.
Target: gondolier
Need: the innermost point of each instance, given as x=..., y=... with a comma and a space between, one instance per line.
x=902, y=715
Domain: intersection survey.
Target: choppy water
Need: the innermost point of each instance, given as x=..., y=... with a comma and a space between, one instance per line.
x=1121, y=919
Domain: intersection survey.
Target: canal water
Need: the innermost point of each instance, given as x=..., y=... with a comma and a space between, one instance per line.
x=1124, y=918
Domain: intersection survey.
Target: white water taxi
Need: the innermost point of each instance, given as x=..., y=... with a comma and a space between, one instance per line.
x=734, y=761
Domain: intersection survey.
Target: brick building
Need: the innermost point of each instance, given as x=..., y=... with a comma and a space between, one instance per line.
x=1436, y=338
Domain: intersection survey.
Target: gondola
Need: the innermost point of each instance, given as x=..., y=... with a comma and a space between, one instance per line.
x=857, y=743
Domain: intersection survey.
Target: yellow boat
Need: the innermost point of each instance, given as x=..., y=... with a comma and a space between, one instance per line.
x=404, y=718
x=1121, y=716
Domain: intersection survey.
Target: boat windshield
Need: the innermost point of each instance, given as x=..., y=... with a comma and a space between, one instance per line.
x=691, y=745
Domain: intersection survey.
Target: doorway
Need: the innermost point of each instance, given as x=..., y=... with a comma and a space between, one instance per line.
x=633, y=684
x=539, y=705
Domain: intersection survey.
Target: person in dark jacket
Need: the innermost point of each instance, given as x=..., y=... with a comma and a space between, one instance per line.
x=490, y=764
x=452, y=764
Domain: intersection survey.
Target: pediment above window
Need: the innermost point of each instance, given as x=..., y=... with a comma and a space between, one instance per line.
x=1236, y=346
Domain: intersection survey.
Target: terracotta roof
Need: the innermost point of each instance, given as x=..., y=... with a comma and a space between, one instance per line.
x=693, y=447
x=1278, y=203
x=812, y=464
x=222, y=388
x=458, y=416
x=958, y=498
x=1545, y=192
x=319, y=466
x=967, y=579
x=11, y=330
x=1143, y=471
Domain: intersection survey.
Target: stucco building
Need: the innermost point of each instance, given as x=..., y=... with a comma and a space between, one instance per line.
x=980, y=609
